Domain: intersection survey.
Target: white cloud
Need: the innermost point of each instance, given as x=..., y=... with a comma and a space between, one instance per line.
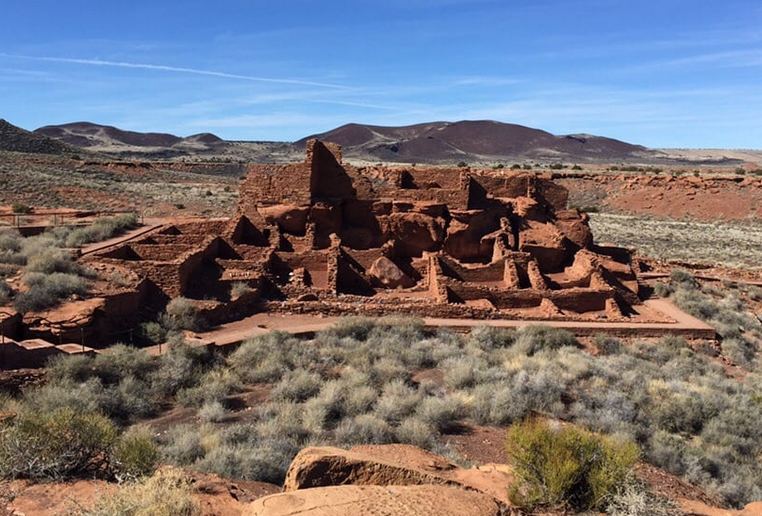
x=177, y=69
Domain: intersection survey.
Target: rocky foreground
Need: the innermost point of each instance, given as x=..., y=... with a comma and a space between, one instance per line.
x=325, y=481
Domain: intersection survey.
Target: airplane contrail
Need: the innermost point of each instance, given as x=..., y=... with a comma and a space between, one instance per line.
x=176, y=69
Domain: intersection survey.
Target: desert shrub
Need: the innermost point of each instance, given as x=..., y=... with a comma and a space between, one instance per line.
x=461, y=372
x=122, y=361
x=607, y=345
x=531, y=339
x=88, y=396
x=359, y=400
x=740, y=351
x=50, y=260
x=679, y=412
x=442, y=413
x=181, y=367
x=565, y=467
x=683, y=278
x=214, y=386
x=54, y=445
x=397, y=401
x=490, y=337
x=663, y=289
x=298, y=385
x=5, y=292
x=363, y=429
x=266, y=461
x=416, y=432
x=132, y=398
x=281, y=421
x=166, y=493
x=212, y=412
x=239, y=288
x=101, y=229
x=182, y=445
x=386, y=369
x=153, y=332
x=262, y=359
x=46, y=290
x=667, y=451
x=181, y=314
x=73, y=368
x=10, y=244
x=358, y=328
x=134, y=455
x=634, y=498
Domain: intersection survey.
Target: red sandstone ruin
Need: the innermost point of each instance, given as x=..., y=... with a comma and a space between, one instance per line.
x=327, y=237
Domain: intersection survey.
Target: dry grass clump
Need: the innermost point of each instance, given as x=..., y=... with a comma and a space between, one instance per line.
x=167, y=493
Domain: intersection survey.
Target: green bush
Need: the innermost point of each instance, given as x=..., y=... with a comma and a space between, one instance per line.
x=565, y=467
x=134, y=455
x=21, y=209
x=55, y=445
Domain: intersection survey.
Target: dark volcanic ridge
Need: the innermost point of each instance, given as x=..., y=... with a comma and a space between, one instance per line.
x=87, y=134
x=15, y=139
x=470, y=141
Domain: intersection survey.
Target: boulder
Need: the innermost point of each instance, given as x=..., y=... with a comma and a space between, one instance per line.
x=394, y=464
x=465, y=234
x=387, y=500
x=387, y=274
x=290, y=219
x=414, y=232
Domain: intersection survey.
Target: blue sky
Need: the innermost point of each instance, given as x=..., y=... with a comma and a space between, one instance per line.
x=672, y=73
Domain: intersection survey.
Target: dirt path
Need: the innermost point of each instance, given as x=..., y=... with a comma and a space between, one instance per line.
x=305, y=325
x=149, y=226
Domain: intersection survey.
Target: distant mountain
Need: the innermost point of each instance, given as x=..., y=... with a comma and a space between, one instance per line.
x=16, y=139
x=477, y=142
x=105, y=138
x=473, y=141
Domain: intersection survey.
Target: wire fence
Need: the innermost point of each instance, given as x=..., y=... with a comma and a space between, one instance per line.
x=57, y=218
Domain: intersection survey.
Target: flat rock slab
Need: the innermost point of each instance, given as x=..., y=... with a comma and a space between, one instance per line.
x=395, y=464
x=376, y=500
